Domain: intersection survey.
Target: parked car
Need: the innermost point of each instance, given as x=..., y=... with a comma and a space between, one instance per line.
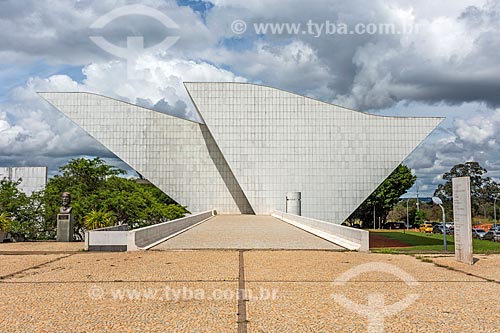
x=438, y=229
x=492, y=235
x=426, y=227
x=478, y=233
x=395, y=225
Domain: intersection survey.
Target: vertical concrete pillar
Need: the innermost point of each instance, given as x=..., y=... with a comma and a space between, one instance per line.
x=293, y=205
x=65, y=227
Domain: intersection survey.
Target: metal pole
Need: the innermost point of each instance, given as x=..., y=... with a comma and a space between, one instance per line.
x=418, y=207
x=374, y=222
x=495, y=212
x=407, y=216
x=444, y=227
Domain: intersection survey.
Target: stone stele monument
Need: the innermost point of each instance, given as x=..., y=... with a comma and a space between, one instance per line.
x=65, y=220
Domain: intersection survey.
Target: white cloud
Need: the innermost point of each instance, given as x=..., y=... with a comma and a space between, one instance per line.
x=479, y=130
x=293, y=66
x=36, y=130
x=162, y=80
x=9, y=133
x=454, y=59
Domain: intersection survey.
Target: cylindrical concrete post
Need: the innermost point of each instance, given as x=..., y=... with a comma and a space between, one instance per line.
x=293, y=205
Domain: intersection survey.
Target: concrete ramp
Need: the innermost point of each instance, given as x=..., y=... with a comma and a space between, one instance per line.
x=245, y=232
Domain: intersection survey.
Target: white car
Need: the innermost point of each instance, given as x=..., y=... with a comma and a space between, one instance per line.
x=492, y=235
x=478, y=233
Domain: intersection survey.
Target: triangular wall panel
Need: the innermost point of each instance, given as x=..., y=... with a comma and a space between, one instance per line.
x=275, y=141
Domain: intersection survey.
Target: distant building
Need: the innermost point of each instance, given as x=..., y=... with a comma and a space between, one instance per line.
x=33, y=178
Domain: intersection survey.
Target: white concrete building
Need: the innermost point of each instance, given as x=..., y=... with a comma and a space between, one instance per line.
x=33, y=178
x=255, y=144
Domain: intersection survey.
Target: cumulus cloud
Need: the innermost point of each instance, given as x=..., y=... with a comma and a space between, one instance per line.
x=479, y=130
x=450, y=57
x=293, y=66
x=59, y=31
x=471, y=139
x=452, y=60
x=32, y=130
x=161, y=82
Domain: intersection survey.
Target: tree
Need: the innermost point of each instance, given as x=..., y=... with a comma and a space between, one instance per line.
x=138, y=205
x=483, y=189
x=83, y=178
x=12, y=200
x=386, y=196
x=420, y=217
x=97, y=189
x=25, y=212
x=432, y=212
x=5, y=222
x=99, y=219
x=398, y=213
x=29, y=222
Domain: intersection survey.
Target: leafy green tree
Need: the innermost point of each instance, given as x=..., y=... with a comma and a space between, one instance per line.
x=398, y=213
x=97, y=187
x=29, y=222
x=137, y=205
x=84, y=179
x=12, y=200
x=420, y=217
x=430, y=212
x=88, y=175
x=483, y=189
x=25, y=212
x=386, y=196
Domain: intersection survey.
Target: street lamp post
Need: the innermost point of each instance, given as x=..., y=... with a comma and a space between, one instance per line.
x=495, y=211
x=374, y=222
x=407, y=216
x=418, y=207
x=439, y=202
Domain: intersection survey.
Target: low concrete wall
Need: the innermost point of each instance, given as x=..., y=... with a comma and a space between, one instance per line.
x=147, y=237
x=107, y=239
x=350, y=238
x=119, y=238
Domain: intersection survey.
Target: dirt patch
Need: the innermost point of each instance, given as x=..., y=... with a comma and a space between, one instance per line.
x=378, y=241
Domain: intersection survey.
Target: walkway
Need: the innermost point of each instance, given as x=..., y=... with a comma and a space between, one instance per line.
x=246, y=232
x=285, y=291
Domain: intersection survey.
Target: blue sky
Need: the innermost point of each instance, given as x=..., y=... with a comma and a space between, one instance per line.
x=448, y=68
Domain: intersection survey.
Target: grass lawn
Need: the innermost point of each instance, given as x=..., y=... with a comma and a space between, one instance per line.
x=420, y=241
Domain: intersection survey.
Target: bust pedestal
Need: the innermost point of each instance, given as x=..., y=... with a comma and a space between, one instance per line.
x=65, y=227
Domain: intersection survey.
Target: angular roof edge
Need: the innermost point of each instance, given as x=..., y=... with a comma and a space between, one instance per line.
x=186, y=83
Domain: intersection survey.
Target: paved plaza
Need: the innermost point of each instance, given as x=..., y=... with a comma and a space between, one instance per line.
x=196, y=291
x=246, y=232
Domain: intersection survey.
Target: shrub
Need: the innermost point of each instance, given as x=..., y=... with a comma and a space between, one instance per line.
x=5, y=222
x=99, y=219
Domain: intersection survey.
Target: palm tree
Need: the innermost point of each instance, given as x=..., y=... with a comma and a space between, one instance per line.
x=99, y=219
x=5, y=222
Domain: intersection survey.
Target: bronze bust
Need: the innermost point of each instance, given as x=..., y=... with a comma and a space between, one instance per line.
x=66, y=201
